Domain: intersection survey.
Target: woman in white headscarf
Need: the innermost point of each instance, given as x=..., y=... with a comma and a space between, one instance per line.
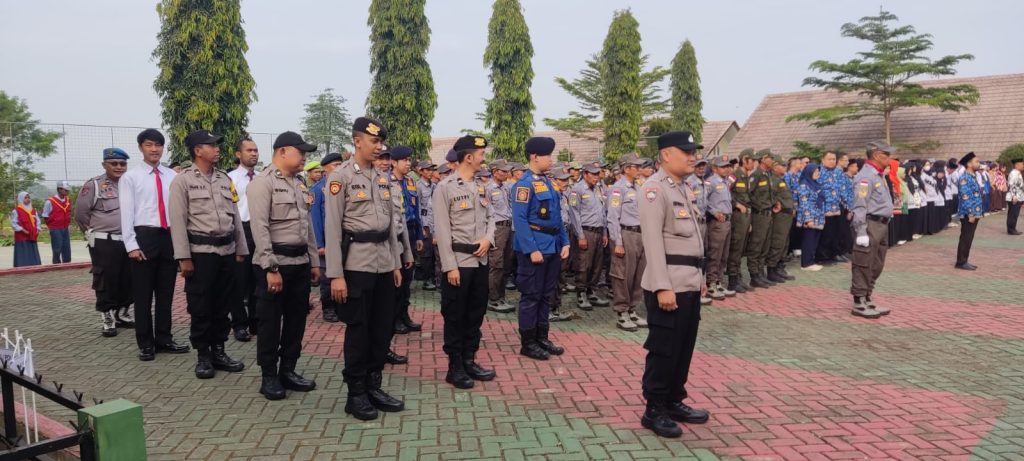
x=26, y=224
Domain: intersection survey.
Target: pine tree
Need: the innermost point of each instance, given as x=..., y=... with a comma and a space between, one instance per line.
x=327, y=123
x=623, y=90
x=402, y=93
x=686, y=100
x=882, y=76
x=509, y=114
x=204, y=79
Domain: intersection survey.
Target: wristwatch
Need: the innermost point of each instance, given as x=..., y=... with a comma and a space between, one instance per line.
x=273, y=268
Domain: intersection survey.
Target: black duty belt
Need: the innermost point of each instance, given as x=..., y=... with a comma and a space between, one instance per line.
x=505, y=223
x=366, y=237
x=631, y=228
x=545, y=229
x=467, y=248
x=592, y=229
x=786, y=211
x=685, y=260
x=881, y=219
x=217, y=241
x=766, y=211
x=291, y=251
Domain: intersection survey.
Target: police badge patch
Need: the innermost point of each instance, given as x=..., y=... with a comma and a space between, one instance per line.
x=522, y=195
x=651, y=194
x=335, y=187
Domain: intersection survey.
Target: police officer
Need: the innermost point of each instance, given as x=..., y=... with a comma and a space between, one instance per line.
x=98, y=215
x=560, y=179
x=317, y=216
x=761, y=204
x=719, y=229
x=673, y=283
x=782, y=222
x=969, y=210
x=409, y=201
x=740, y=219
x=628, y=261
x=541, y=244
x=383, y=164
x=208, y=242
x=872, y=211
x=425, y=185
x=501, y=253
x=364, y=261
x=464, y=228
x=587, y=205
x=286, y=261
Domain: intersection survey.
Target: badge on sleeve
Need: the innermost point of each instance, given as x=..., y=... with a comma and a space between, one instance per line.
x=652, y=194
x=234, y=193
x=335, y=187
x=522, y=195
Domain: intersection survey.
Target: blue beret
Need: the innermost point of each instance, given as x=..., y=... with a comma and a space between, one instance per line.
x=540, y=146
x=114, y=153
x=400, y=152
x=451, y=156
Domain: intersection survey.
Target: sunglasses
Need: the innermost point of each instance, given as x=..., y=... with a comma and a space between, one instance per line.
x=116, y=163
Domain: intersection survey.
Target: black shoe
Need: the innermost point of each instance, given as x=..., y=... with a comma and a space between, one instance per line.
x=756, y=282
x=530, y=347
x=459, y=378
x=966, y=266
x=400, y=328
x=242, y=334
x=222, y=361
x=765, y=279
x=546, y=344
x=330, y=315
x=781, y=270
x=681, y=412
x=147, y=354
x=510, y=285
x=773, y=276
x=395, y=359
x=842, y=259
x=735, y=285
x=477, y=372
x=172, y=348
x=293, y=381
x=1014, y=232
x=204, y=369
x=359, y=407
x=271, y=388
x=378, y=398
x=412, y=326
x=656, y=420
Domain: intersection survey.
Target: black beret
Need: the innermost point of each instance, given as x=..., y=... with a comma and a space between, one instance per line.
x=967, y=158
x=370, y=126
x=470, y=143
x=330, y=158
x=540, y=146
x=681, y=139
x=400, y=152
x=451, y=156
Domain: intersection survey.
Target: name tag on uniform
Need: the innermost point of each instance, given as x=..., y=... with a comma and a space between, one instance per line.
x=741, y=185
x=763, y=183
x=539, y=186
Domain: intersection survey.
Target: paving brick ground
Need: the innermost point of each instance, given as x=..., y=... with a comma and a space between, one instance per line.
x=786, y=373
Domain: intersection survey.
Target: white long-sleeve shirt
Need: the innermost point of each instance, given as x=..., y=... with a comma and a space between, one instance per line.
x=240, y=177
x=17, y=227
x=138, y=199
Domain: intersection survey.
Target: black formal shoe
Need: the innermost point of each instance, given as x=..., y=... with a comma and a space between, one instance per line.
x=477, y=372
x=400, y=328
x=384, y=402
x=330, y=315
x=395, y=359
x=204, y=369
x=293, y=381
x=360, y=408
x=459, y=378
x=172, y=348
x=272, y=388
x=147, y=354
x=242, y=334
x=530, y=347
x=412, y=326
x=681, y=412
x=966, y=266
x=546, y=344
x=221, y=361
x=656, y=420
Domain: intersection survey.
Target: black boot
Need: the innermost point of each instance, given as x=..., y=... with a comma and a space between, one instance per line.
x=295, y=382
x=764, y=278
x=271, y=387
x=530, y=347
x=380, y=399
x=682, y=412
x=656, y=419
x=330, y=314
x=734, y=284
x=756, y=282
x=457, y=373
x=774, y=276
x=546, y=344
x=222, y=362
x=204, y=367
x=358, y=404
x=400, y=328
x=393, y=358
x=477, y=372
x=743, y=284
x=412, y=326
x=781, y=270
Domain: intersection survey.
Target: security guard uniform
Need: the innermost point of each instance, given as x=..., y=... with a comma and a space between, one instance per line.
x=740, y=219
x=500, y=254
x=624, y=231
x=761, y=202
x=872, y=211
x=675, y=244
x=587, y=205
x=425, y=187
x=782, y=222
x=719, y=231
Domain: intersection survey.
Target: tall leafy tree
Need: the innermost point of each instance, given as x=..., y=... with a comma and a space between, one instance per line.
x=22, y=143
x=402, y=93
x=327, y=123
x=623, y=90
x=686, y=98
x=883, y=76
x=204, y=79
x=509, y=113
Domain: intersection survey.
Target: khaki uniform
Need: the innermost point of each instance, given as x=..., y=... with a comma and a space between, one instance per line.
x=499, y=257
x=624, y=229
x=719, y=201
x=782, y=221
x=98, y=214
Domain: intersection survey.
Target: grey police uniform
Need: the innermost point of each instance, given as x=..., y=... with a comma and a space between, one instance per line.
x=428, y=257
x=624, y=229
x=500, y=255
x=587, y=204
x=98, y=214
x=872, y=210
x=719, y=233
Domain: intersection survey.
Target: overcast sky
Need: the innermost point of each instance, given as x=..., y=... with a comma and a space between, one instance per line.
x=89, y=62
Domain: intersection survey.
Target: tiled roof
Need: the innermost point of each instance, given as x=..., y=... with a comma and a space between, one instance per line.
x=714, y=131
x=986, y=128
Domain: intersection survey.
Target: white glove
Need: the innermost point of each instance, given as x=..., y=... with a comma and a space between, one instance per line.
x=863, y=241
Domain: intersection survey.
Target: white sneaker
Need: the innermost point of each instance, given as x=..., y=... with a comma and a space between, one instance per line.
x=625, y=323
x=109, y=325
x=637, y=319
x=704, y=300
x=901, y=242
x=725, y=291
x=917, y=236
x=812, y=268
x=796, y=252
x=715, y=292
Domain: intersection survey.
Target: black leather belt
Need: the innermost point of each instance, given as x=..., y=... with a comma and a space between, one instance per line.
x=545, y=229
x=685, y=260
x=786, y=211
x=366, y=237
x=631, y=228
x=592, y=229
x=291, y=251
x=505, y=223
x=881, y=219
x=217, y=241
x=467, y=248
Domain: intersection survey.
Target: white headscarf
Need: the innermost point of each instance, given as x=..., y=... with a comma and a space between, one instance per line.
x=21, y=200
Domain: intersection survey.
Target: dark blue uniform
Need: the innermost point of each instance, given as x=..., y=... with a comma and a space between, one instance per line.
x=537, y=219
x=317, y=214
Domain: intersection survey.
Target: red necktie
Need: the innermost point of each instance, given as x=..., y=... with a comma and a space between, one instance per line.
x=251, y=174
x=160, y=199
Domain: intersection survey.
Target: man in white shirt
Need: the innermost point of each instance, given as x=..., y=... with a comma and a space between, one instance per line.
x=1014, y=195
x=145, y=227
x=243, y=313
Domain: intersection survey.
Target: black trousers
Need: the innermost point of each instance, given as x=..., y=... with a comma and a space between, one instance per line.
x=1012, y=214
x=369, y=314
x=845, y=234
x=282, y=318
x=153, y=278
x=208, y=293
x=963, y=248
x=111, y=275
x=425, y=268
x=243, y=306
x=828, y=245
x=671, y=337
x=463, y=308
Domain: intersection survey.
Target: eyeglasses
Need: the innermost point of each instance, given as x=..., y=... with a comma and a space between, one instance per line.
x=117, y=163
